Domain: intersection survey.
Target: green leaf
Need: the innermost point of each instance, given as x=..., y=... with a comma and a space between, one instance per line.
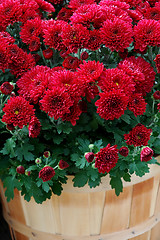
x=57, y=139
x=57, y=188
x=64, y=127
x=10, y=183
x=126, y=118
x=45, y=187
x=80, y=161
x=80, y=179
x=8, y=148
x=83, y=145
x=116, y=183
x=23, y=152
x=92, y=173
x=127, y=177
x=139, y=168
x=94, y=183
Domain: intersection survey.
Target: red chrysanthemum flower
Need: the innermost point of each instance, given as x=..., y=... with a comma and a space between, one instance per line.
x=45, y=6
x=153, y=13
x=124, y=151
x=157, y=61
x=34, y=44
x=56, y=1
x=31, y=29
x=34, y=82
x=46, y=173
x=90, y=71
x=94, y=40
x=10, y=12
x=116, y=79
x=6, y=88
x=146, y=154
x=146, y=33
x=73, y=114
x=71, y=63
x=4, y=56
x=112, y=104
x=6, y=38
x=141, y=71
x=34, y=127
x=116, y=34
x=158, y=106
x=48, y=53
x=20, y=61
x=74, y=4
x=64, y=14
x=132, y=3
x=138, y=136
x=135, y=15
x=106, y=158
x=89, y=15
x=69, y=81
x=56, y=102
x=137, y=104
x=17, y=112
x=74, y=36
x=63, y=164
x=115, y=9
x=53, y=33
x=156, y=95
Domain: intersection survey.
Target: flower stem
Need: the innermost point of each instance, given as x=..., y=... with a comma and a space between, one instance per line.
x=44, y=60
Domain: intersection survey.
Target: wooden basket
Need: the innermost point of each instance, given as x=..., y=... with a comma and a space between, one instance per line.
x=90, y=214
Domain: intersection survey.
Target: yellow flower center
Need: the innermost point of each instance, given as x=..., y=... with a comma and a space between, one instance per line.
x=16, y=112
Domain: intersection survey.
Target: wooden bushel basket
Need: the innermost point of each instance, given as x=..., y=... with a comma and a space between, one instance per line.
x=90, y=214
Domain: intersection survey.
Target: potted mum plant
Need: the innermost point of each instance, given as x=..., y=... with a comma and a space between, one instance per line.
x=79, y=94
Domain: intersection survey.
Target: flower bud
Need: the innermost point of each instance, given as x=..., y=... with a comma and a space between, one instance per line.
x=84, y=55
x=93, y=165
x=146, y=154
x=89, y=156
x=62, y=164
x=20, y=169
x=10, y=127
x=6, y=88
x=156, y=95
x=48, y=53
x=91, y=146
x=27, y=173
x=46, y=154
x=38, y=161
x=124, y=151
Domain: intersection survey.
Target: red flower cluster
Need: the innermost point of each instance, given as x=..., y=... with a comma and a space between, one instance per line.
x=106, y=158
x=46, y=173
x=17, y=112
x=138, y=136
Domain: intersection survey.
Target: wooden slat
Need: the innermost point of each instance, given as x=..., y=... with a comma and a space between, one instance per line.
x=114, y=218
x=141, y=205
x=96, y=207
x=155, y=233
x=120, y=235
x=16, y=211
x=39, y=216
x=74, y=220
